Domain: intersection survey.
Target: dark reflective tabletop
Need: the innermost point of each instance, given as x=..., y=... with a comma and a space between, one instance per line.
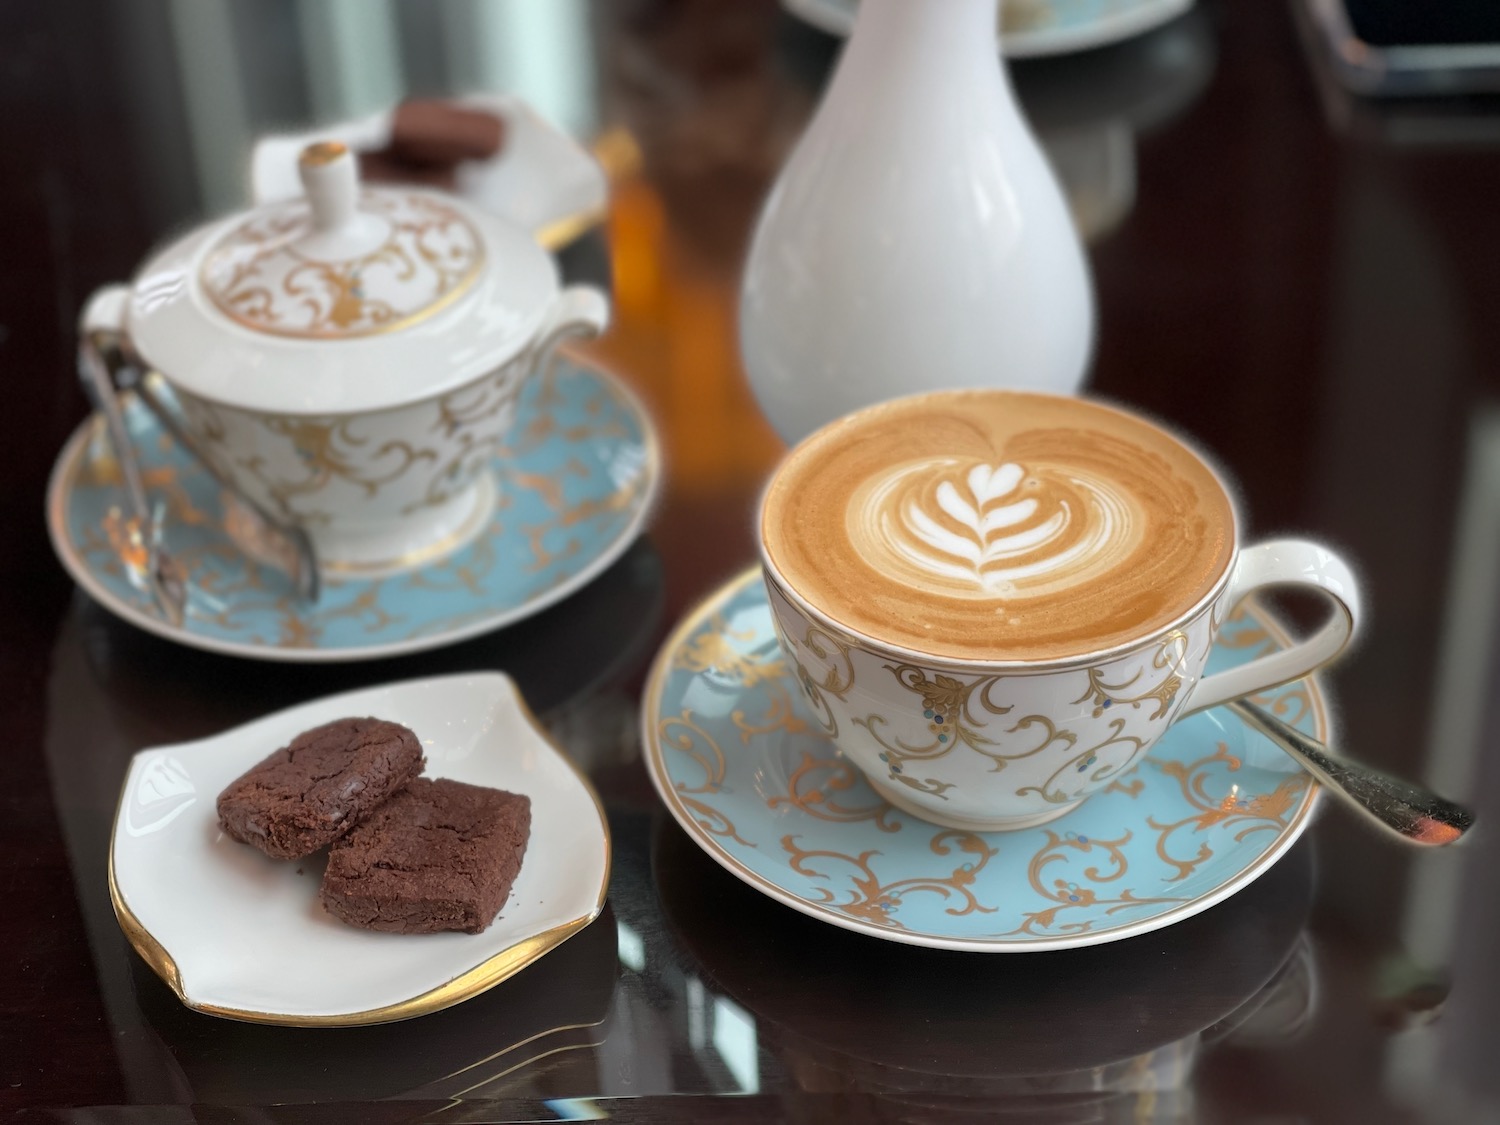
x=1304, y=281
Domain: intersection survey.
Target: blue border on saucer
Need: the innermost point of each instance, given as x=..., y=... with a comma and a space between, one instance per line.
x=576, y=486
x=742, y=765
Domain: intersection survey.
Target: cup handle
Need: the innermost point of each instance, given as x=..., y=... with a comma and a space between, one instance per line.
x=579, y=311
x=1284, y=562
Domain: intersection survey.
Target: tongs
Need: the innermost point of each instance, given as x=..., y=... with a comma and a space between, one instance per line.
x=164, y=577
x=106, y=367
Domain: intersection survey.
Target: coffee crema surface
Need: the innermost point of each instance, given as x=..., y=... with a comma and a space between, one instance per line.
x=998, y=525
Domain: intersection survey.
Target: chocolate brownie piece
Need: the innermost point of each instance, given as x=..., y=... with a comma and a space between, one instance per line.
x=319, y=786
x=439, y=855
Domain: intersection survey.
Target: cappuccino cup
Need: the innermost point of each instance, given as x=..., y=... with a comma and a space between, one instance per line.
x=997, y=601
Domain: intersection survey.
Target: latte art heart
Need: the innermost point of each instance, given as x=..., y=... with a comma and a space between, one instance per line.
x=997, y=525
x=990, y=531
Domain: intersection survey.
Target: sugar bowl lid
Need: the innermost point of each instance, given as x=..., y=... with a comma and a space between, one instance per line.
x=348, y=299
x=337, y=266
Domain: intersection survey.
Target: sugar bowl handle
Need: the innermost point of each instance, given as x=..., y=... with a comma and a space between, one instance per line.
x=578, y=312
x=105, y=314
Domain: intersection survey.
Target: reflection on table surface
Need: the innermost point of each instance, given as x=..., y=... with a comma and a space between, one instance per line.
x=1304, y=287
x=927, y=1027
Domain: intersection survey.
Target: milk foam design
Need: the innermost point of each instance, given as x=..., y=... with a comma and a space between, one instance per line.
x=998, y=525
x=982, y=530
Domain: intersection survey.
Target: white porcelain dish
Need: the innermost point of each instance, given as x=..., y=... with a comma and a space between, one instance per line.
x=240, y=935
x=542, y=179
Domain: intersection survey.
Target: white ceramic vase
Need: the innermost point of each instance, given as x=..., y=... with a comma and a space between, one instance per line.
x=917, y=238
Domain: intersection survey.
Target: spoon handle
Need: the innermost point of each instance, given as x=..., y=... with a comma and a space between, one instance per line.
x=1417, y=815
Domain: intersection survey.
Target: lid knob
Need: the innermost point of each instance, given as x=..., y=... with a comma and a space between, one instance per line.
x=330, y=178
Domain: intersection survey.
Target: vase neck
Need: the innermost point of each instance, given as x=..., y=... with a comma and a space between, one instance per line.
x=935, y=33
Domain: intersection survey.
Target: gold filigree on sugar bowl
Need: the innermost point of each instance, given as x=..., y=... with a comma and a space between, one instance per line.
x=353, y=358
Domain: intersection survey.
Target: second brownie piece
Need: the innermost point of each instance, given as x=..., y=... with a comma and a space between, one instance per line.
x=319, y=786
x=440, y=855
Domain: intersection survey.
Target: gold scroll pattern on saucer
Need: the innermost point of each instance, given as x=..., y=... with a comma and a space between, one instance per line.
x=682, y=732
x=1164, y=830
x=1078, y=882
x=1108, y=864
x=232, y=592
x=815, y=786
x=865, y=897
x=1262, y=812
x=713, y=651
x=1257, y=639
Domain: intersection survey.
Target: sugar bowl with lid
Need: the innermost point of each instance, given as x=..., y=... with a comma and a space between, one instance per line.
x=352, y=359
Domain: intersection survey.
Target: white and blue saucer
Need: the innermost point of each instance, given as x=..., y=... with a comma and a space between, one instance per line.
x=745, y=769
x=573, y=502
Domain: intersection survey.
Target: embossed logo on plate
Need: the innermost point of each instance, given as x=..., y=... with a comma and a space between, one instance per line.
x=163, y=791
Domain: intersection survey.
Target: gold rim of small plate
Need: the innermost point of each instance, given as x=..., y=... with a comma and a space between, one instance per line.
x=481, y=978
x=656, y=767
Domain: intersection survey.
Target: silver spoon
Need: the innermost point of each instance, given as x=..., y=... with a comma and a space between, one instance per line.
x=163, y=574
x=260, y=535
x=1417, y=815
